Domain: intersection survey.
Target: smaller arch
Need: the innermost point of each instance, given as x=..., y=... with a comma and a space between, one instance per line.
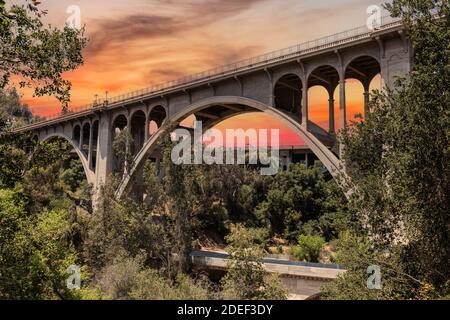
x=119, y=124
x=76, y=135
x=288, y=94
x=325, y=75
x=158, y=114
x=332, y=63
x=363, y=68
x=376, y=83
x=319, y=106
x=86, y=122
x=118, y=119
x=86, y=133
x=328, y=77
x=364, y=55
x=355, y=102
x=137, y=130
x=295, y=71
x=90, y=176
x=136, y=110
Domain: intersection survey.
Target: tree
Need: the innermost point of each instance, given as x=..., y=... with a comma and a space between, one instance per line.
x=308, y=248
x=35, y=250
x=298, y=200
x=39, y=55
x=246, y=278
x=399, y=157
x=12, y=110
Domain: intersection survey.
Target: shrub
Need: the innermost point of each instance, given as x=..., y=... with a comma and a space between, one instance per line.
x=128, y=278
x=308, y=248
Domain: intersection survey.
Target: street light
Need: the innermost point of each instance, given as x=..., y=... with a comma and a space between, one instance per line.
x=106, y=98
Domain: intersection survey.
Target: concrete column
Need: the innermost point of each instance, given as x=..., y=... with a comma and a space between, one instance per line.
x=128, y=146
x=384, y=73
x=305, y=102
x=331, y=115
x=343, y=104
x=80, y=142
x=147, y=127
x=343, y=111
x=366, y=103
x=104, y=149
x=91, y=134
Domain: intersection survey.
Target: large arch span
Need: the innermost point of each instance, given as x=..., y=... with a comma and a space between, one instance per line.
x=238, y=105
x=90, y=175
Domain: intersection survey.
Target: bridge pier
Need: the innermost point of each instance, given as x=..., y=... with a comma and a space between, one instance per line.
x=305, y=107
x=104, y=150
x=332, y=129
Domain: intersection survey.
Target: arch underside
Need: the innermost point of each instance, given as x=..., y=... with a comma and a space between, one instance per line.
x=217, y=109
x=90, y=175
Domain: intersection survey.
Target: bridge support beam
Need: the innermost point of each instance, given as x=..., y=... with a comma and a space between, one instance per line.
x=305, y=117
x=80, y=140
x=147, y=127
x=366, y=85
x=366, y=103
x=104, y=149
x=91, y=138
x=343, y=111
x=332, y=128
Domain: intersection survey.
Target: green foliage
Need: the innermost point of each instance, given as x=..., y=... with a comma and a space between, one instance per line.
x=246, y=277
x=38, y=54
x=398, y=159
x=12, y=163
x=121, y=148
x=12, y=110
x=298, y=197
x=35, y=251
x=356, y=254
x=129, y=278
x=308, y=248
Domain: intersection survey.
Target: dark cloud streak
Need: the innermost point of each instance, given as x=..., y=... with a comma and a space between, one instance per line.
x=192, y=14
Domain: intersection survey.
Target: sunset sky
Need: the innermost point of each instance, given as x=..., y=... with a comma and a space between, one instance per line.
x=137, y=43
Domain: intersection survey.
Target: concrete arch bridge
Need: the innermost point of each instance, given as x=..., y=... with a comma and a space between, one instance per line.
x=276, y=83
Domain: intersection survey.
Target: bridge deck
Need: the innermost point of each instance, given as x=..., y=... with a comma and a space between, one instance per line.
x=316, y=271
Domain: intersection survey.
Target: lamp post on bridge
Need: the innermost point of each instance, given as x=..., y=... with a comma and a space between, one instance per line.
x=106, y=98
x=95, y=100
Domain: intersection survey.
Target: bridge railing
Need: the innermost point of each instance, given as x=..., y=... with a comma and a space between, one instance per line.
x=243, y=65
